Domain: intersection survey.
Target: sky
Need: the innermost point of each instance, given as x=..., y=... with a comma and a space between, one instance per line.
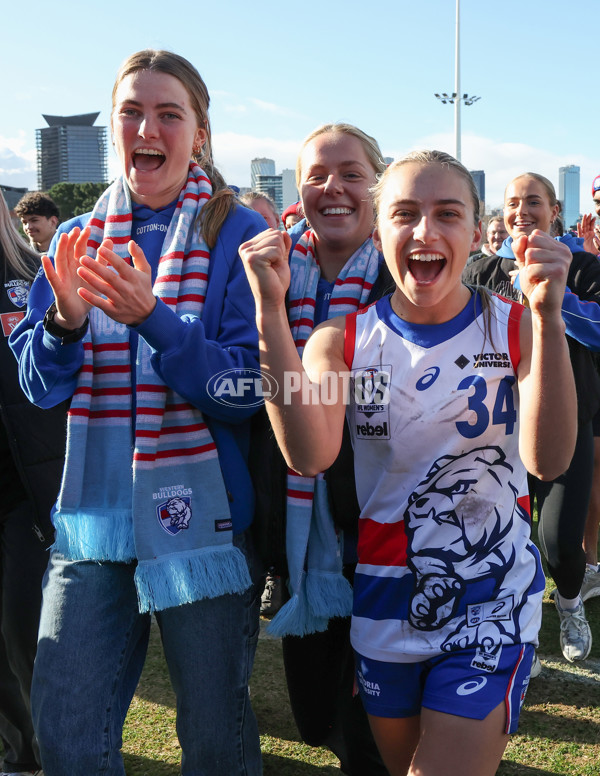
x=276, y=70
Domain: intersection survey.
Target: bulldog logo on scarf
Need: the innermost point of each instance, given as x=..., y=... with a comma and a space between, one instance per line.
x=175, y=514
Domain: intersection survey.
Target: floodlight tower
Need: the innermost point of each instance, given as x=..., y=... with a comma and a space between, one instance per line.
x=456, y=98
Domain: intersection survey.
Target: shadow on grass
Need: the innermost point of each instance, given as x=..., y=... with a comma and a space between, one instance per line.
x=274, y=765
x=553, y=727
x=142, y=766
x=508, y=767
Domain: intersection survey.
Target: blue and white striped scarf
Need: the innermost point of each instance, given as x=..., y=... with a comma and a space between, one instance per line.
x=148, y=488
x=318, y=588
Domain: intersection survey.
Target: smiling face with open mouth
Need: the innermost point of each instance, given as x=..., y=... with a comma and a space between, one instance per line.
x=155, y=130
x=334, y=187
x=527, y=207
x=426, y=230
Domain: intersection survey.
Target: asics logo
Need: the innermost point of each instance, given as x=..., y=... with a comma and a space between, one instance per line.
x=474, y=685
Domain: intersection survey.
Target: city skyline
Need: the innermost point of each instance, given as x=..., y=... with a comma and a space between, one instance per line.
x=264, y=107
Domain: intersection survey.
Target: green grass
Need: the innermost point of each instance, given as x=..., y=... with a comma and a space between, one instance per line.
x=559, y=733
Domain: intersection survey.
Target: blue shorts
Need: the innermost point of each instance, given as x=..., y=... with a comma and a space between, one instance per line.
x=467, y=683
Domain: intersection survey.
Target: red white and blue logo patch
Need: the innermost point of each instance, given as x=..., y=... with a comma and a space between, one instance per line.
x=175, y=514
x=18, y=291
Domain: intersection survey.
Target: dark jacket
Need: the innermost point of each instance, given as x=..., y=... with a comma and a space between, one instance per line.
x=584, y=281
x=269, y=471
x=36, y=437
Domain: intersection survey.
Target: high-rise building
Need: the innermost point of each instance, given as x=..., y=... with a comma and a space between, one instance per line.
x=568, y=193
x=258, y=167
x=289, y=190
x=70, y=149
x=273, y=186
x=479, y=178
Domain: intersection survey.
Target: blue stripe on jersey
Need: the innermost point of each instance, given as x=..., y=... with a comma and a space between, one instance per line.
x=388, y=598
x=428, y=335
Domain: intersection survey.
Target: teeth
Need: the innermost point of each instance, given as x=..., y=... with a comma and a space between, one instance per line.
x=337, y=211
x=426, y=257
x=149, y=152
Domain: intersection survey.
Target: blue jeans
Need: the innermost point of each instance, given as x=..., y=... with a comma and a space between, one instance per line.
x=91, y=650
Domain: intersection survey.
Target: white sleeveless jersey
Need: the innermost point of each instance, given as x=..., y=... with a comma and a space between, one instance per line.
x=445, y=556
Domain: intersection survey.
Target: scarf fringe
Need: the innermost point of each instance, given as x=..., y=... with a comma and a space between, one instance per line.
x=295, y=618
x=328, y=594
x=187, y=577
x=95, y=535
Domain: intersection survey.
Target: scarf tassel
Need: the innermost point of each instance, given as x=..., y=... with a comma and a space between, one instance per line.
x=187, y=577
x=296, y=618
x=329, y=594
x=102, y=536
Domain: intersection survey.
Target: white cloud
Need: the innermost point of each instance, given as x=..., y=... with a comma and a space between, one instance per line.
x=17, y=146
x=18, y=162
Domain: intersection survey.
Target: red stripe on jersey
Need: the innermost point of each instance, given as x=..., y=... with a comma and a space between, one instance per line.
x=514, y=342
x=350, y=339
x=509, y=691
x=525, y=504
x=381, y=544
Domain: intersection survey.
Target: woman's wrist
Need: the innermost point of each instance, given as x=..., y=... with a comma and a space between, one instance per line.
x=269, y=316
x=58, y=326
x=70, y=324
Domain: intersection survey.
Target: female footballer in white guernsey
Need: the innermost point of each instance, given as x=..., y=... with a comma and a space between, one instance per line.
x=448, y=391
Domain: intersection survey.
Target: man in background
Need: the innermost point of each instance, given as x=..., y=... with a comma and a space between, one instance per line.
x=40, y=218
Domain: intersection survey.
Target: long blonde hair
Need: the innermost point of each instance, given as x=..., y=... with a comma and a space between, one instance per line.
x=217, y=209
x=17, y=255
